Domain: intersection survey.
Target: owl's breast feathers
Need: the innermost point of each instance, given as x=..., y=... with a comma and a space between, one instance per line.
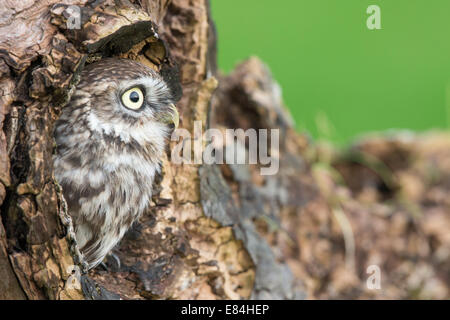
x=106, y=189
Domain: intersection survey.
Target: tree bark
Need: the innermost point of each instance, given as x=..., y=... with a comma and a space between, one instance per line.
x=195, y=241
x=212, y=231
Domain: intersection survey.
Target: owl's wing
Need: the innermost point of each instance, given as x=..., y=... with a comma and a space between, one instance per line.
x=87, y=232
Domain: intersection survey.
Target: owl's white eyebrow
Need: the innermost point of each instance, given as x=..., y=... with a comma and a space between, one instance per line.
x=154, y=87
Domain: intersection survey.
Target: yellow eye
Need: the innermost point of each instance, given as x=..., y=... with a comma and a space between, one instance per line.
x=133, y=98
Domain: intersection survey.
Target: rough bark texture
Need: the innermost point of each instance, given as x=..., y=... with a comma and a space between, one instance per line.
x=212, y=231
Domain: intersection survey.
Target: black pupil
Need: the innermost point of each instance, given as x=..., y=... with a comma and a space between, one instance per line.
x=134, y=96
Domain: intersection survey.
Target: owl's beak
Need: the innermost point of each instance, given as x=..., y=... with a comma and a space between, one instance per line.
x=173, y=117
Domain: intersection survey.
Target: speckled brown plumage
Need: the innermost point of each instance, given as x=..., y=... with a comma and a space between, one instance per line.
x=107, y=154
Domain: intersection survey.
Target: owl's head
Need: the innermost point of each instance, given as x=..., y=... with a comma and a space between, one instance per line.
x=125, y=100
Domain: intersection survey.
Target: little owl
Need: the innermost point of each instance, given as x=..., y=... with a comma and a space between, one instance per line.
x=110, y=140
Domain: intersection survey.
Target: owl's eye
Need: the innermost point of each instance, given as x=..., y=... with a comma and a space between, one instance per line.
x=133, y=98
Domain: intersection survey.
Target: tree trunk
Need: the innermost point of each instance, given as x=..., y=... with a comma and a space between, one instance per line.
x=197, y=240
x=218, y=231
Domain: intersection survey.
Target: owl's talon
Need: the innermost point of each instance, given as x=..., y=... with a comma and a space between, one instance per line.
x=111, y=263
x=103, y=266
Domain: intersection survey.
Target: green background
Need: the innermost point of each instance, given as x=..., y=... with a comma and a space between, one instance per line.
x=340, y=79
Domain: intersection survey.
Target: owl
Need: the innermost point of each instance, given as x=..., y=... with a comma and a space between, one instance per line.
x=110, y=139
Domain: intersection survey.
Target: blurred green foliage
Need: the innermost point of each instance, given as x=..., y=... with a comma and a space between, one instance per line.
x=336, y=73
